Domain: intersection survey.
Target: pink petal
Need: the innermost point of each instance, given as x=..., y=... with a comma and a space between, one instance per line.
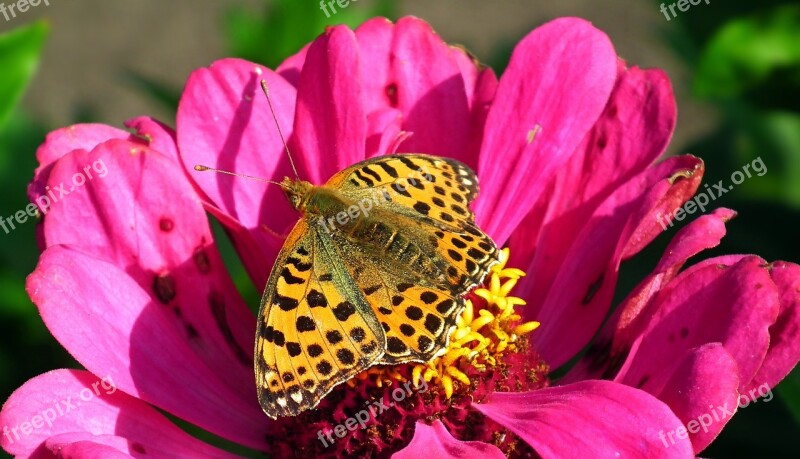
x=585, y=282
x=703, y=233
x=76, y=137
x=330, y=119
x=710, y=302
x=61, y=142
x=101, y=442
x=559, y=78
x=632, y=316
x=480, y=100
x=413, y=70
x=469, y=67
x=145, y=278
x=784, y=348
x=75, y=413
x=588, y=419
x=701, y=389
x=87, y=450
x=224, y=122
x=435, y=442
x=158, y=136
x=383, y=128
x=153, y=352
x=291, y=67
x=632, y=132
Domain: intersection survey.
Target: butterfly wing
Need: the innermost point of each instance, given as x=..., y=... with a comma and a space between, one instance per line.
x=434, y=194
x=421, y=218
x=315, y=330
x=416, y=314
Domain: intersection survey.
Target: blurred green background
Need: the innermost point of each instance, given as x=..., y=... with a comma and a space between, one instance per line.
x=735, y=67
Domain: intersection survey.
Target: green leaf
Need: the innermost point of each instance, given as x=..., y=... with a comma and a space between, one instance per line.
x=789, y=391
x=749, y=51
x=20, y=50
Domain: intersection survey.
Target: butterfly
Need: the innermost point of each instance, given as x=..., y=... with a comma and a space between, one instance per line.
x=375, y=272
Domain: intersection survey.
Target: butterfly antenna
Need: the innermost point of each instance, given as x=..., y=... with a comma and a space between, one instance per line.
x=272, y=110
x=201, y=168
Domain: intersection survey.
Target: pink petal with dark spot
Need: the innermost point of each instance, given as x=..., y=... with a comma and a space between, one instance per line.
x=413, y=70
x=710, y=302
x=132, y=285
x=585, y=282
x=634, y=313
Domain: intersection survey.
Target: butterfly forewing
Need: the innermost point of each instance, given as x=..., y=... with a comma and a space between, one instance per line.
x=315, y=330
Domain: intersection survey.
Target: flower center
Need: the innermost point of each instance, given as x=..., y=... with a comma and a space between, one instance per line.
x=375, y=413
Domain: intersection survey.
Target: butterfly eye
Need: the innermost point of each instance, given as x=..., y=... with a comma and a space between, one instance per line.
x=295, y=201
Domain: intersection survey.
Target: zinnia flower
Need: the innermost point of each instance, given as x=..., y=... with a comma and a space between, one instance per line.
x=130, y=281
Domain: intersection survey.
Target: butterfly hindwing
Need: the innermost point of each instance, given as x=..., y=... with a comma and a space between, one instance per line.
x=415, y=313
x=315, y=330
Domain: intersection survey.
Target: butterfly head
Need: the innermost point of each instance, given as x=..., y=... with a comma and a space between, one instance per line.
x=297, y=191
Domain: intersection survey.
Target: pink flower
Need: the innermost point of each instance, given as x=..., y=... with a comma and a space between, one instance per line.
x=131, y=283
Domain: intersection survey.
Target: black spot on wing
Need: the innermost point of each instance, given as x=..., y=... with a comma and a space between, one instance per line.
x=395, y=346
x=413, y=313
x=368, y=181
x=388, y=169
x=344, y=310
x=298, y=264
x=372, y=173
x=314, y=350
x=316, y=299
x=305, y=324
x=289, y=278
x=422, y=207
x=345, y=357
x=285, y=303
x=333, y=336
x=358, y=334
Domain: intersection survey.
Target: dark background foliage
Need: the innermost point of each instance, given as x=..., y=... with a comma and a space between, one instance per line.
x=735, y=67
